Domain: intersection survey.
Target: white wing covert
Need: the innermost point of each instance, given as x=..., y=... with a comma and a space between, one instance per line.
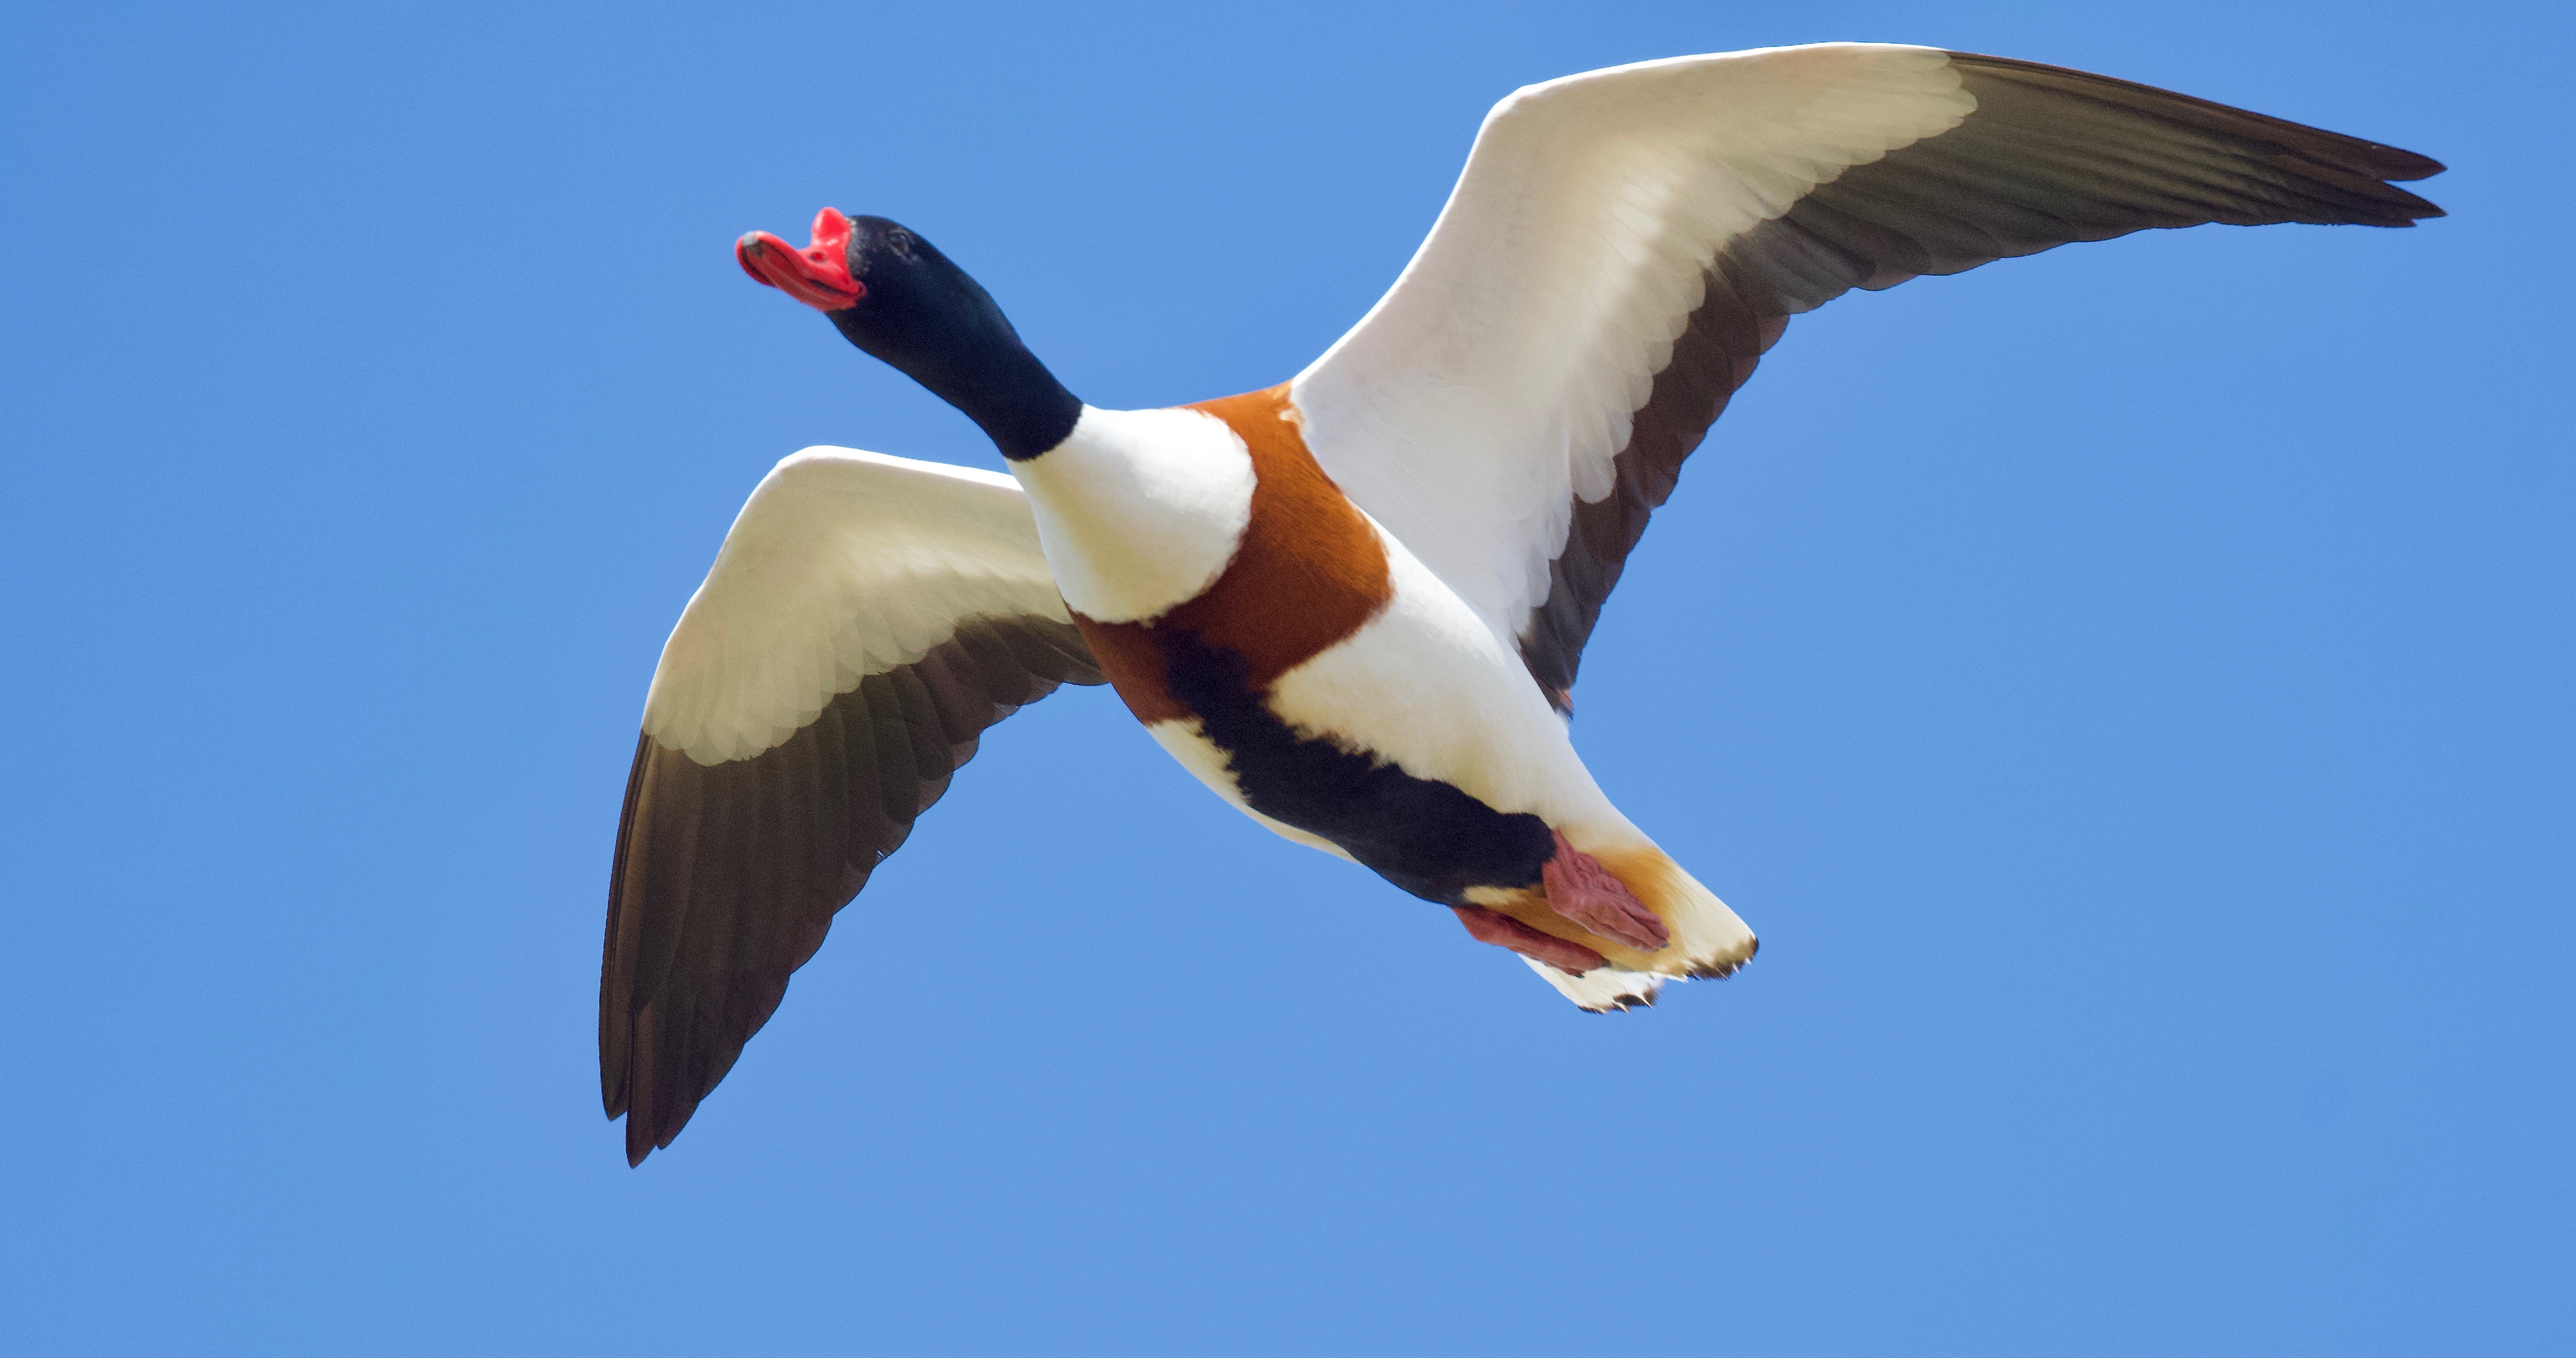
x=1623, y=246
x=866, y=619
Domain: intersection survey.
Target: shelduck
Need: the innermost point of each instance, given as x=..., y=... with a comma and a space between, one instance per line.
x=1352, y=604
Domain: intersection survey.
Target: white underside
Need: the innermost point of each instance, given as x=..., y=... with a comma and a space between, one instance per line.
x=1208, y=763
x=1426, y=686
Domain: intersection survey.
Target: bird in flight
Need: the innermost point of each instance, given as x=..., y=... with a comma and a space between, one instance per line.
x=1352, y=604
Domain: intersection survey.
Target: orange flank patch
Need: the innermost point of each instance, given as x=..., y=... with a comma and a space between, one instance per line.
x=1309, y=571
x=1133, y=664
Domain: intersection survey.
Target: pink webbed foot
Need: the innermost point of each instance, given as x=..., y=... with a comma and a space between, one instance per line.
x=1582, y=890
x=1501, y=930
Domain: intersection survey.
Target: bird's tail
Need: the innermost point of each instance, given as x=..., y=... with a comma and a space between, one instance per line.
x=1706, y=940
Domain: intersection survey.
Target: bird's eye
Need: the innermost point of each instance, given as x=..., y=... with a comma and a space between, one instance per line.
x=900, y=241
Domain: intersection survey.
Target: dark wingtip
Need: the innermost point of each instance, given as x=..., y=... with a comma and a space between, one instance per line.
x=2407, y=165
x=2412, y=209
x=665, y=955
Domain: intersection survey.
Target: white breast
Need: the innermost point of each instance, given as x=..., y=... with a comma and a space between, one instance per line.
x=1139, y=510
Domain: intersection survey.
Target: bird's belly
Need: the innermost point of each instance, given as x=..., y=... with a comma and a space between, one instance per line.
x=1212, y=764
x=1320, y=788
x=1415, y=746
x=1323, y=680
x=1426, y=686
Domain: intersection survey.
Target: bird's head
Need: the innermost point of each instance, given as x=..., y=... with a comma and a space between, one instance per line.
x=889, y=291
x=894, y=295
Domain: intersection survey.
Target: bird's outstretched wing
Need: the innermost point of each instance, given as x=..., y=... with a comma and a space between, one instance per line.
x=1623, y=246
x=866, y=619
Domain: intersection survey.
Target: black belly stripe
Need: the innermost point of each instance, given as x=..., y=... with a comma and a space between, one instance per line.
x=1423, y=835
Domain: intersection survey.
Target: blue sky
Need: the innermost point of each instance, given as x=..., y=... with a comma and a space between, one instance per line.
x=2127, y=689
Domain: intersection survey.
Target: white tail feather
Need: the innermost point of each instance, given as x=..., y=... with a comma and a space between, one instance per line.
x=1708, y=940
x=1603, y=988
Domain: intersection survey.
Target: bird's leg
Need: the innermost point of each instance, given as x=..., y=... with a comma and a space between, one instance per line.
x=1582, y=890
x=1501, y=930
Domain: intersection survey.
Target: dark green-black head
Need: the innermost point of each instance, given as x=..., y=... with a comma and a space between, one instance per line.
x=894, y=295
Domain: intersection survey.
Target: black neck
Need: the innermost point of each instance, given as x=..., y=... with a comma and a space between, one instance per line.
x=967, y=354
